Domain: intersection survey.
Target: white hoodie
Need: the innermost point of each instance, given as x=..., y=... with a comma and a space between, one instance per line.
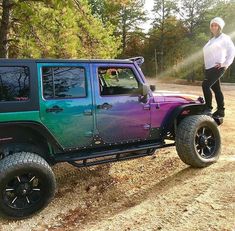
x=219, y=50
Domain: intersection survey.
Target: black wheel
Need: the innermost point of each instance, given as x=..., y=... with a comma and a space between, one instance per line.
x=198, y=141
x=27, y=184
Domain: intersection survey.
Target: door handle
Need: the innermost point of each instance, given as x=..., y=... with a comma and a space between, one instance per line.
x=54, y=109
x=104, y=106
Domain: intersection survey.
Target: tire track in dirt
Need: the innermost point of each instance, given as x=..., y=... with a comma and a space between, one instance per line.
x=105, y=204
x=122, y=202
x=209, y=206
x=182, y=207
x=164, y=185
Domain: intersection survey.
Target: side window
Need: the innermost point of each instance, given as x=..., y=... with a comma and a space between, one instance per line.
x=63, y=82
x=117, y=81
x=14, y=83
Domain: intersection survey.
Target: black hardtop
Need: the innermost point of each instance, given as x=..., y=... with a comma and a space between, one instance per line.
x=25, y=61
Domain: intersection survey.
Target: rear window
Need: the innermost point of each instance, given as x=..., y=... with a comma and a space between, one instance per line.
x=14, y=84
x=63, y=82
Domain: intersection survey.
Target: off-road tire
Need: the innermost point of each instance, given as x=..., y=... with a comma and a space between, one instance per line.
x=27, y=185
x=198, y=141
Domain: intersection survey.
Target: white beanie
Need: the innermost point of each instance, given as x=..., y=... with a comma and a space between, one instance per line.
x=218, y=21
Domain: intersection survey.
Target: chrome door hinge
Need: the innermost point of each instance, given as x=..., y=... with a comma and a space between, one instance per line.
x=147, y=127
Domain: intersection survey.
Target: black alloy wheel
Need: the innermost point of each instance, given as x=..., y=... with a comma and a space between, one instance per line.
x=27, y=184
x=205, y=142
x=198, y=141
x=23, y=191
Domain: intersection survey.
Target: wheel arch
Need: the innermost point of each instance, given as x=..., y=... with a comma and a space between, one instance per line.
x=172, y=120
x=34, y=134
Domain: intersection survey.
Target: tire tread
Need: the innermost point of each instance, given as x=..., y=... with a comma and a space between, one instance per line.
x=185, y=138
x=21, y=160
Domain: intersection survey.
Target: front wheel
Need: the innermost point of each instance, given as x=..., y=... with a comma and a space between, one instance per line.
x=27, y=184
x=198, y=141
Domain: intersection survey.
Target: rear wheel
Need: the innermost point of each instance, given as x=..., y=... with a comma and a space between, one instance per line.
x=198, y=141
x=27, y=184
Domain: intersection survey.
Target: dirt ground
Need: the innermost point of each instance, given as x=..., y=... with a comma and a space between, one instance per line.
x=151, y=193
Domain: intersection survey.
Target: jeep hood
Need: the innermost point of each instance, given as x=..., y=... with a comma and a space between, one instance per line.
x=171, y=96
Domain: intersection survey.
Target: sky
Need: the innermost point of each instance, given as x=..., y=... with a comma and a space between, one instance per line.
x=148, y=7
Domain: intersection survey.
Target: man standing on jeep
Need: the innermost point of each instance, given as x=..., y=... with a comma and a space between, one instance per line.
x=218, y=53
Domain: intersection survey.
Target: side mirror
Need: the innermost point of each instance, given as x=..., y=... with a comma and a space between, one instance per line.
x=145, y=90
x=152, y=87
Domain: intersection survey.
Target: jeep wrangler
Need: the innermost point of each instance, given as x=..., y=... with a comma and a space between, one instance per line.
x=88, y=112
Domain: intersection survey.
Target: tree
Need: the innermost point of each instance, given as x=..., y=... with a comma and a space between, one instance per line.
x=59, y=29
x=135, y=45
x=193, y=13
x=163, y=10
x=173, y=44
x=130, y=17
x=124, y=15
x=6, y=6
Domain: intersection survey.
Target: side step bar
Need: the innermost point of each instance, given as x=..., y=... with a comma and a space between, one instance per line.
x=108, y=156
x=112, y=158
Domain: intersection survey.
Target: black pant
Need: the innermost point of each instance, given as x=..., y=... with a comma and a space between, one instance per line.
x=212, y=81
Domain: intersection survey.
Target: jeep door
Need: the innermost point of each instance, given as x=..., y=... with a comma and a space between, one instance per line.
x=66, y=102
x=121, y=116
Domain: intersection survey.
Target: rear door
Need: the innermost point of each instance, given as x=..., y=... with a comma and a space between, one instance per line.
x=66, y=102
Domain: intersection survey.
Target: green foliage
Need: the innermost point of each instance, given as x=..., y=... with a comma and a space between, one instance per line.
x=111, y=28
x=124, y=15
x=135, y=44
x=193, y=13
x=57, y=29
x=162, y=10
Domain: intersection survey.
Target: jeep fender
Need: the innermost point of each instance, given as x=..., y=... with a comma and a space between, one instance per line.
x=173, y=119
x=21, y=130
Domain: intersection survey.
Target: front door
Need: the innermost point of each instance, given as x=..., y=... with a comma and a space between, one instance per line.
x=66, y=102
x=121, y=117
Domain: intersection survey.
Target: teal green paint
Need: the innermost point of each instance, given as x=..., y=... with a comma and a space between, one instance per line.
x=20, y=116
x=70, y=126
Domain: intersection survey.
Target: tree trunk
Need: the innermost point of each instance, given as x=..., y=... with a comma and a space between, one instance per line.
x=4, y=28
x=162, y=37
x=124, y=30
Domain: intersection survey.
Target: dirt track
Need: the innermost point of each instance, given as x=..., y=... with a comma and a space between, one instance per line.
x=160, y=193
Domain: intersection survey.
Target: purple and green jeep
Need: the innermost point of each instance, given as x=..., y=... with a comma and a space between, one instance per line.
x=88, y=112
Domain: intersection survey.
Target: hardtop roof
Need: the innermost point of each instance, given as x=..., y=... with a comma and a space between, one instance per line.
x=126, y=61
